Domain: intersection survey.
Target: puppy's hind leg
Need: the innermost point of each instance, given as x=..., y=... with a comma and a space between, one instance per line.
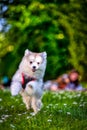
x=34, y=104
x=27, y=101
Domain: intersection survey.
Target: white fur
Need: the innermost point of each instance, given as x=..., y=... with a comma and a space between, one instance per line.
x=33, y=91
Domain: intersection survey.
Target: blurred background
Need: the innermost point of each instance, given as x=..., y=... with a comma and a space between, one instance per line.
x=58, y=27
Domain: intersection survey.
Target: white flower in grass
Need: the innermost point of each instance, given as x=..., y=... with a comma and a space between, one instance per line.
x=68, y=113
x=0, y=99
x=24, y=113
x=81, y=105
x=47, y=106
x=50, y=104
x=78, y=95
x=1, y=121
x=12, y=106
x=60, y=111
x=32, y=114
x=65, y=104
x=12, y=125
x=3, y=117
x=19, y=114
x=61, y=92
x=75, y=103
x=49, y=120
x=28, y=117
x=6, y=116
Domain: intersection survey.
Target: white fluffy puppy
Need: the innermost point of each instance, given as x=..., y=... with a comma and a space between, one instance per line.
x=28, y=79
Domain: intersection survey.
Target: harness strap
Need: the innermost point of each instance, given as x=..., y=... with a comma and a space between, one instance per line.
x=26, y=79
x=23, y=79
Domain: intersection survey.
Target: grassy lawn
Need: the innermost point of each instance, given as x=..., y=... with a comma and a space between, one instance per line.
x=61, y=111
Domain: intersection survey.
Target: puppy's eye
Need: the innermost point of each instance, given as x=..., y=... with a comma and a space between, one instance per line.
x=38, y=63
x=31, y=62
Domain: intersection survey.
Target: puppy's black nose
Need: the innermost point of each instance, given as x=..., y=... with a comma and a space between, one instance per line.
x=34, y=67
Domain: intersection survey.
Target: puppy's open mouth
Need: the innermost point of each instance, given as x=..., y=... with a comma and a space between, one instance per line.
x=33, y=70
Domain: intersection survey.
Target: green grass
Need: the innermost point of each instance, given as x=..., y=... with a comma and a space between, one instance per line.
x=61, y=111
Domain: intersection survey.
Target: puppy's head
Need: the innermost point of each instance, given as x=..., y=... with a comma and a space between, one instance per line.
x=35, y=60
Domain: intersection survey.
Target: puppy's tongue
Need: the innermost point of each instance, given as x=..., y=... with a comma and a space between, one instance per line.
x=33, y=70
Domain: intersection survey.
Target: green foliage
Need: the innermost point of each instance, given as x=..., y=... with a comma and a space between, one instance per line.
x=62, y=110
x=57, y=27
x=77, y=29
x=5, y=47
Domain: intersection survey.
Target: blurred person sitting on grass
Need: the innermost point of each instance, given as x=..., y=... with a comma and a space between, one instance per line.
x=68, y=82
x=74, y=83
x=57, y=84
x=62, y=81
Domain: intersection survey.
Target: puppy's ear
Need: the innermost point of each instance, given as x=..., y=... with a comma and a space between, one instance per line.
x=27, y=52
x=44, y=54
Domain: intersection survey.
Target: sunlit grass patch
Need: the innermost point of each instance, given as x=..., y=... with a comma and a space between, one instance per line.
x=60, y=111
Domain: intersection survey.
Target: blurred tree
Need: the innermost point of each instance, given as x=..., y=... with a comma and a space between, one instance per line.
x=76, y=18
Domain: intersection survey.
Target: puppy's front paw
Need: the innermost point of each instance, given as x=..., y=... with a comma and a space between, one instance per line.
x=30, y=86
x=29, y=90
x=21, y=92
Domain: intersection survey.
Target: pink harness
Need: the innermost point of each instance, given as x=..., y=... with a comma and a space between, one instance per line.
x=26, y=79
